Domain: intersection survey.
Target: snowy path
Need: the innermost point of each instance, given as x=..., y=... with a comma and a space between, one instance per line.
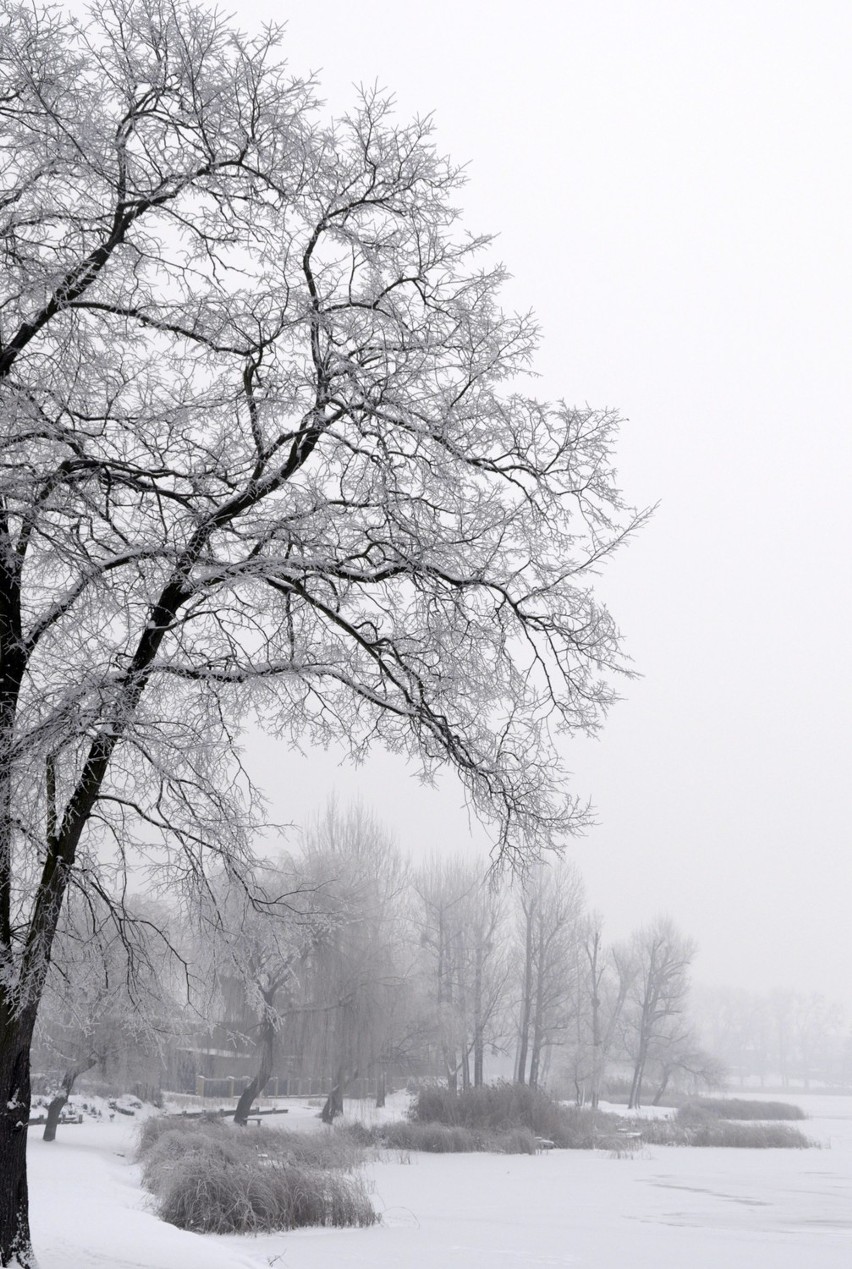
x=666, y=1209
x=89, y=1211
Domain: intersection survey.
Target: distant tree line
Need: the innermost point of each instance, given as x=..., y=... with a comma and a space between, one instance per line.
x=357, y=965
x=777, y=1038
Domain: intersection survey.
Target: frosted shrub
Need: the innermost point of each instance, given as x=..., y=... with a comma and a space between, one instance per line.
x=211, y=1177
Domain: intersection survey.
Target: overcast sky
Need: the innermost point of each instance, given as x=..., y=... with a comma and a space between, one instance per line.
x=671, y=186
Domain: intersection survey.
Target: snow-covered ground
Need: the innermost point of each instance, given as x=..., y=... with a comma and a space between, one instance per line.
x=663, y=1208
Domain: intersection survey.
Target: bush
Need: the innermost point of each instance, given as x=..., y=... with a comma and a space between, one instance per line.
x=741, y=1108
x=211, y=1177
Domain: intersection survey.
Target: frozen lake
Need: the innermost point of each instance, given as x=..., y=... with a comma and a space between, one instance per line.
x=661, y=1209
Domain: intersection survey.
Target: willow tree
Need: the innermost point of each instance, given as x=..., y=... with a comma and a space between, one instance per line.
x=266, y=454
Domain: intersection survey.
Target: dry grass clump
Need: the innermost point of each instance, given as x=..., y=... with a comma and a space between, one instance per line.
x=209, y=1196
x=505, y=1107
x=211, y=1177
x=502, y=1105
x=582, y=1129
x=476, y=1113
x=150, y=1130
x=517, y=1141
x=694, y=1128
x=455, y=1139
x=743, y=1108
x=361, y=1136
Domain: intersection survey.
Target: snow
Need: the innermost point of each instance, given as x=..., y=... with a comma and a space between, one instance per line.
x=662, y=1208
x=88, y=1210
x=640, y=1112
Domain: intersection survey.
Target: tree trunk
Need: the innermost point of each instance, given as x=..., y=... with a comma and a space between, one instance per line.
x=521, y=1058
x=462, y=1006
x=15, y=1241
x=526, y=1007
x=381, y=1090
x=54, y=1110
x=544, y=1065
x=247, y=1097
x=447, y=1020
x=636, y=1085
x=538, y=1012
x=264, y=1071
x=535, y=1058
x=334, y=1102
x=478, y=1025
x=597, y=1064
x=664, y=1083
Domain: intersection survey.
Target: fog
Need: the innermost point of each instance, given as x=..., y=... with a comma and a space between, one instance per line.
x=671, y=186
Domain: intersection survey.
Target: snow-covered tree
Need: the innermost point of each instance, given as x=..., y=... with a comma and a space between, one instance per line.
x=357, y=974
x=266, y=453
x=251, y=946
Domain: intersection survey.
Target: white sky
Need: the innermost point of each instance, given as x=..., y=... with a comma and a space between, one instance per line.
x=671, y=185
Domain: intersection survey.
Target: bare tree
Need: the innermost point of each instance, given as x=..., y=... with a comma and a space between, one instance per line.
x=260, y=458
x=550, y=916
x=680, y=1057
x=735, y=1023
x=460, y=914
x=443, y=888
x=604, y=977
x=490, y=971
x=657, y=996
